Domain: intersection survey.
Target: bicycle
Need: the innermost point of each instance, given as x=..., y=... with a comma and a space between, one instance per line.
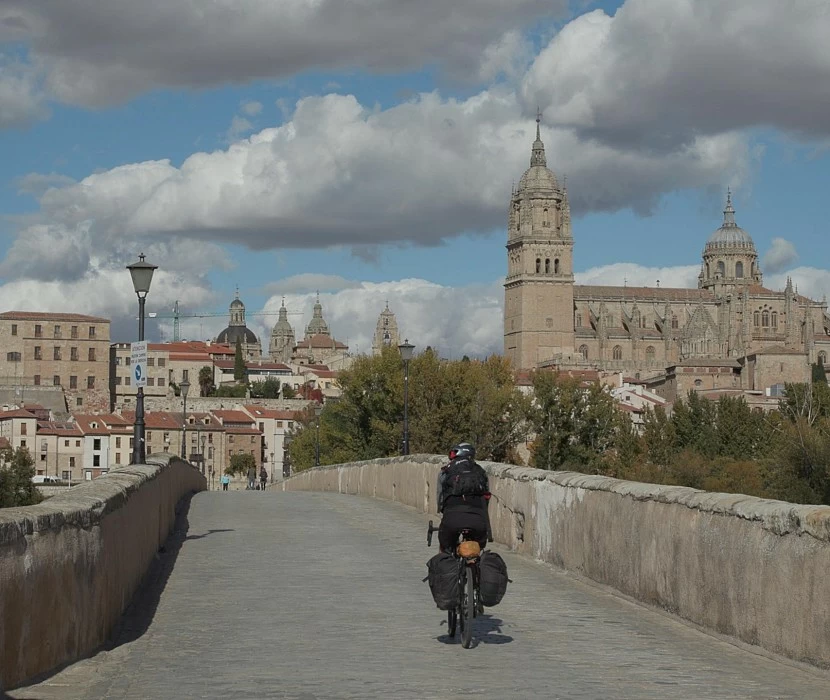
x=469, y=605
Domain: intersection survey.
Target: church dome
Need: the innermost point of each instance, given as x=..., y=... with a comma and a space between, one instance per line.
x=538, y=176
x=730, y=235
x=237, y=303
x=231, y=333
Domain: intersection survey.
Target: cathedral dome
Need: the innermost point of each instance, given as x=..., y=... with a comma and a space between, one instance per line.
x=538, y=177
x=231, y=333
x=730, y=235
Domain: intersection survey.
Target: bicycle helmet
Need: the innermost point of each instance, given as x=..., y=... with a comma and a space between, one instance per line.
x=463, y=450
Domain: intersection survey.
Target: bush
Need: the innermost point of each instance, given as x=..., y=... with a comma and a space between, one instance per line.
x=16, y=472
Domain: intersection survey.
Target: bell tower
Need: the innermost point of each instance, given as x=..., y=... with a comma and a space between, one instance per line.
x=538, y=290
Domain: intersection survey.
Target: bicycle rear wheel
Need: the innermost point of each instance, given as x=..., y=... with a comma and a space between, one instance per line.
x=468, y=611
x=452, y=622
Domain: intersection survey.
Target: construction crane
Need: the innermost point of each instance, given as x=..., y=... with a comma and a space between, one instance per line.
x=177, y=314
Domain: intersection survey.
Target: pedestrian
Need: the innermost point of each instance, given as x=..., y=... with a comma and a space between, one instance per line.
x=226, y=480
x=251, y=478
x=263, y=478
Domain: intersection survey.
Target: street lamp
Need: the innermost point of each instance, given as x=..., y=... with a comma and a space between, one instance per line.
x=185, y=387
x=406, y=349
x=317, y=411
x=273, y=468
x=286, y=456
x=202, y=441
x=142, y=274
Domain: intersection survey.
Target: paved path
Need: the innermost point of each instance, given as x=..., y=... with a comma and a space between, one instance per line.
x=307, y=595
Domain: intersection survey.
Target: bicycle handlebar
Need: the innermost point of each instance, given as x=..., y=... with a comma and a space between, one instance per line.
x=430, y=530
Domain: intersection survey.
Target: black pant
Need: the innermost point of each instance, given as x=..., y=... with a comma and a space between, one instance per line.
x=454, y=521
x=224, y=487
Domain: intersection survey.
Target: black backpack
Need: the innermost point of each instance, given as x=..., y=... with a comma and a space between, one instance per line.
x=465, y=478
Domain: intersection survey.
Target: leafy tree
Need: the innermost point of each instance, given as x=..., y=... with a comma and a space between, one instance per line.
x=288, y=391
x=235, y=391
x=206, y=387
x=659, y=436
x=239, y=370
x=16, y=472
x=268, y=389
x=819, y=375
x=240, y=463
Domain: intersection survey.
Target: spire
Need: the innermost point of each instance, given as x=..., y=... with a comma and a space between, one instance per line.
x=537, y=156
x=729, y=212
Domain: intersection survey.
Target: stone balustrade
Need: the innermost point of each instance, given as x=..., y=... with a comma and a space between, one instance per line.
x=752, y=569
x=70, y=565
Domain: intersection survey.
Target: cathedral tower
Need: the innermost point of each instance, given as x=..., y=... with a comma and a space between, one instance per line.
x=386, y=332
x=282, y=337
x=538, y=290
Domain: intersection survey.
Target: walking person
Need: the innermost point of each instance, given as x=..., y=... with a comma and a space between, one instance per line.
x=226, y=480
x=251, y=478
x=263, y=478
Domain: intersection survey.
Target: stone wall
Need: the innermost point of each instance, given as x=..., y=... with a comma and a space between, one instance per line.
x=70, y=565
x=745, y=567
x=204, y=404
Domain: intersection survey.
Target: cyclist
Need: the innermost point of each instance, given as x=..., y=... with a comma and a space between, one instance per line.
x=463, y=493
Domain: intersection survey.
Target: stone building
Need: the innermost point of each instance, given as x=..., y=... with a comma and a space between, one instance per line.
x=65, y=350
x=729, y=319
x=386, y=331
x=282, y=338
x=237, y=330
x=318, y=346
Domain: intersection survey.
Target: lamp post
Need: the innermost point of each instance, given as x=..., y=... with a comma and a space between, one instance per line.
x=142, y=274
x=317, y=411
x=286, y=457
x=185, y=387
x=273, y=469
x=202, y=441
x=406, y=349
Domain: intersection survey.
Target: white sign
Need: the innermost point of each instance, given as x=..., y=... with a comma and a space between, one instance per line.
x=138, y=362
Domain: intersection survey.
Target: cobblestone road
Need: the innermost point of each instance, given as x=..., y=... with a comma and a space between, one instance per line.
x=312, y=595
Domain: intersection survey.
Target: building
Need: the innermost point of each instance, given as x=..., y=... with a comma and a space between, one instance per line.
x=730, y=317
x=237, y=330
x=242, y=435
x=69, y=351
x=318, y=346
x=274, y=425
x=282, y=342
x=386, y=332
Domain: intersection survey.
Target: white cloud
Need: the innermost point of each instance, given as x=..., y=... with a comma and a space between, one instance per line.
x=252, y=108
x=21, y=98
x=781, y=255
x=308, y=282
x=38, y=183
x=239, y=126
x=634, y=275
x=812, y=282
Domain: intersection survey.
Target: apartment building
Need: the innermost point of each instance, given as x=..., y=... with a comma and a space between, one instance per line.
x=19, y=427
x=59, y=450
x=241, y=435
x=273, y=425
x=70, y=351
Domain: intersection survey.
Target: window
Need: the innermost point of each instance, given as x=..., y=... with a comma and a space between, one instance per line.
x=775, y=319
x=56, y=380
x=14, y=329
x=765, y=318
x=132, y=442
x=290, y=424
x=583, y=350
x=185, y=374
x=707, y=271
x=556, y=266
x=56, y=353
x=23, y=443
x=721, y=268
x=44, y=446
x=24, y=427
x=118, y=458
x=127, y=381
x=117, y=442
x=650, y=353
x=151, y=361
x=43, y=457
x=253, y=439
x=117, y=361
x=160, y=381
x=127, y=360
x=262, y=427
x=149, y=436
x=74, y=332
x=92, y=331
x=38, y=331
x=822, y=358
x=96, y=460
x=65, y=475
x=210, y=438
x=230, y=438
x=72, y=462
x=756, y=319
x=36, y=380
x=162, y=362
x=538, y=264
x=12, y=357
x=79, y=401
x=38, y=353
x=117, y=381
x=66, y=443
x=92, y=354
x=77, y=443
x=73, y=354
x=547, y=265
x=674, y=322
x=698, y=382
x=617, y=352
x=150, y=381
x=90, y=382
x=578, y=320
x=96, y=444
x=739, y=270
x=781, y=366
x=57, y=331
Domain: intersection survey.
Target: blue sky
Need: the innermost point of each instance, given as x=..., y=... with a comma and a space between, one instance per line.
x=368, y=151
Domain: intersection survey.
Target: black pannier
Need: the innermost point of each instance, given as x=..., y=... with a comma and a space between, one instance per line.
x=493, y=578
x=443, y=580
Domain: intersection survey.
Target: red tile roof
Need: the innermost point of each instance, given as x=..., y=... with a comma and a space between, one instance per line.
x=49, y=316
x=16, y=413
x=230, y=416
x=275, y=413
x=640, y=294
x=229, y=364
x=240, y=430
x=59, y=429
x=157, y=420
x=323, y=373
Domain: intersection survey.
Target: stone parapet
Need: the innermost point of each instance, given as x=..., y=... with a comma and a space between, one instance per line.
x=70, y=565
x=746, y=567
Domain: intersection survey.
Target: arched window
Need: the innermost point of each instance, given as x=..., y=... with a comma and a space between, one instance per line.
x=775, y=319
x=547, y=265
x=545, y=219
x=756, y=319
x=822, y=358
x=578, y=319
x=556, y=265
x=538, y=264
x=752, y=269
x=650, y=353
x=765, y=318
x=721, y=268
x=617, y=352
x=739, y=270
x=583, y=350
x=708, y=274
x=674, y=323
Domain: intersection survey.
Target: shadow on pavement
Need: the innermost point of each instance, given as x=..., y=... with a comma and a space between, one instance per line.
x=486, y=630
x=209, y=532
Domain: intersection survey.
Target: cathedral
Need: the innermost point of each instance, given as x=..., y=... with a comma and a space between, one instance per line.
x=729, y=324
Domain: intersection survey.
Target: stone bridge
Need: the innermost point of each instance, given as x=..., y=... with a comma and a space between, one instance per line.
x=143, y=585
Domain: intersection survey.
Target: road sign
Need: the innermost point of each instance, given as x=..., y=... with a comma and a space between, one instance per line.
x=138, y=362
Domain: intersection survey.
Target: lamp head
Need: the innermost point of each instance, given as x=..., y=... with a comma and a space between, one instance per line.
x=318, y=409
x=142, y=274
x=185, y=387
x=406, y=349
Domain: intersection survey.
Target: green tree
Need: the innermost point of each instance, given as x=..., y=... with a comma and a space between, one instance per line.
x=239, y=369
x=235, y=391
x=240, y=463
x=659, y=437
x=694, y=423
x=206, y=387
x=288, y=391
x=16, y=472
x=819, y=375
x=268, y=389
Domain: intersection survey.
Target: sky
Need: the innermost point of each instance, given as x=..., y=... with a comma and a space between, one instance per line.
x=366, y=150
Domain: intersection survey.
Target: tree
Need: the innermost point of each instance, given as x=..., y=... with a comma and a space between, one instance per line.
x=240, y=464
x=234, y=391
x=268, y=389
x=206, y=387
x=239, y=369
x=16, y=472
x=819, y=375
x=288, y=391
x=659, y=437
